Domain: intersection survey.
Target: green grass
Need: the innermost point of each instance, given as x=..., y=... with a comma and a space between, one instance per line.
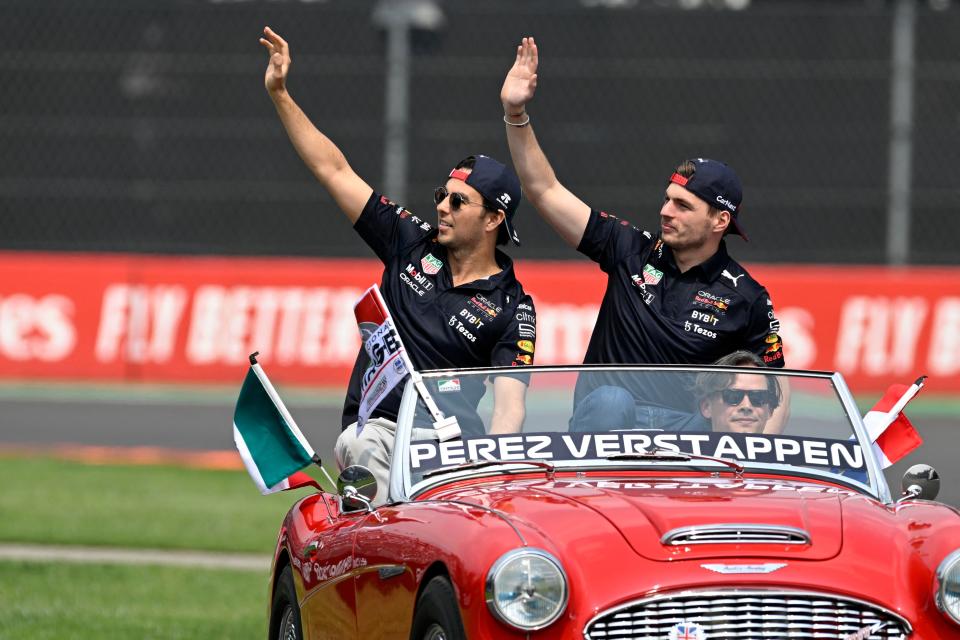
x=68, y=503
x=80, y=602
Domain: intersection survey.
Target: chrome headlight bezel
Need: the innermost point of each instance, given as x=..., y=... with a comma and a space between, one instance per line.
x=948, y=572
x=508, y=560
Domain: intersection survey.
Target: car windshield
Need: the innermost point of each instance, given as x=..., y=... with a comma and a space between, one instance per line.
x=706, y=419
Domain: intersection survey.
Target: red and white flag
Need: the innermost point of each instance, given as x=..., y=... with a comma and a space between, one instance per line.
x=892, y=434
x=388, y=363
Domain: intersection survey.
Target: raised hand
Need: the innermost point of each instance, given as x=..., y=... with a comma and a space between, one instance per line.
x=521, y=81
x=275, y=78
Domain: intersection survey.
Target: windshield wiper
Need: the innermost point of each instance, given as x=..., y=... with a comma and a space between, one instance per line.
x=668, y=455
x=479, y=464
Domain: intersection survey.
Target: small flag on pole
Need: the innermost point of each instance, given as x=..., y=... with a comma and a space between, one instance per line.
x=889, y=429
x=269, y=441
x=389, y=363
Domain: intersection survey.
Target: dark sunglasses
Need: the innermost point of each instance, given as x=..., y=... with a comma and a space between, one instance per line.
x=457, y=200
x=759, y=398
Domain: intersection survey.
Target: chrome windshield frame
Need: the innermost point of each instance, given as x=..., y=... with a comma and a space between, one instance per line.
x=402, y=489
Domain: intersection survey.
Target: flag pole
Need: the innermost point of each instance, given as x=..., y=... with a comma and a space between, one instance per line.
x=907, y=397
x=296, y=430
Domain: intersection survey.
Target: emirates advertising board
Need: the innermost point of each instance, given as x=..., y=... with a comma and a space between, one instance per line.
x=115, y=317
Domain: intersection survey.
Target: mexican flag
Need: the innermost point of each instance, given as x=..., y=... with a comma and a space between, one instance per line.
x=268, y=439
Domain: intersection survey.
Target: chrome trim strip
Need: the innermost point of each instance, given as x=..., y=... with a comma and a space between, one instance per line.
x=437, y=373
x=391, y=571
x=736, y=533
x=726, y=593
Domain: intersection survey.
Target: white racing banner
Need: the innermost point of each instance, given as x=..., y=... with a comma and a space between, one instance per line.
x=796, y=451
x=389, y=363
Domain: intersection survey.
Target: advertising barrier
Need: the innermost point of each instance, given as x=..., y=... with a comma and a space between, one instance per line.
x=118, y=317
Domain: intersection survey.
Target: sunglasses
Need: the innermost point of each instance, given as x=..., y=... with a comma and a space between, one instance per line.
x=457, y=199
x=758, y=398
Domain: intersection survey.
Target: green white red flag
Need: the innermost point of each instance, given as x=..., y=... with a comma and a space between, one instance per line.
x=271, y=445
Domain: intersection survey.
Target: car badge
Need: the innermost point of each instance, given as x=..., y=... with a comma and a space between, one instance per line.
x=865, y=632
x=768, y=567
x=430, y=264
x=684, y=630
x=449, y=386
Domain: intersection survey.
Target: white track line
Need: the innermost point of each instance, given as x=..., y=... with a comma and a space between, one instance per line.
x=110, y=555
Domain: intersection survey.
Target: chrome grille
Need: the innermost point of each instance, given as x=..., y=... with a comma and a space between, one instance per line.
x=736, y=534
x=749, y=615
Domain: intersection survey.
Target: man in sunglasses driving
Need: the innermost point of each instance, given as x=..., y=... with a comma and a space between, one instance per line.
x=672, y=297
x=452, y=294
x=738, y=402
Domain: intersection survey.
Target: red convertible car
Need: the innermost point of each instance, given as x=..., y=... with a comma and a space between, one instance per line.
x=661, y=503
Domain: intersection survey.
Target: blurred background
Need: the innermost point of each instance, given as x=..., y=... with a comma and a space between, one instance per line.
x=145, y=127
x=149, y=196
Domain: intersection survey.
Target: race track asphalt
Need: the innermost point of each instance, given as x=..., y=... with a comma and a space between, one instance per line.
x=205, y=423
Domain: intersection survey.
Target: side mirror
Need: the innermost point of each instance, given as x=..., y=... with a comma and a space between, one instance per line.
x=920, y=481
x=357, y=488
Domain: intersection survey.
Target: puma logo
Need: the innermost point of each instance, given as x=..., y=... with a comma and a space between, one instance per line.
x=733, y=279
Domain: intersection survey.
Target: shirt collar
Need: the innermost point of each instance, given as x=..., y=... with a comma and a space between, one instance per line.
x=504, y=279
x=711, y=268
x=715, y=264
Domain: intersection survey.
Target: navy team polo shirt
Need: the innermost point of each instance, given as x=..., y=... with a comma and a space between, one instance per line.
x=489, y=322
x=653, y=314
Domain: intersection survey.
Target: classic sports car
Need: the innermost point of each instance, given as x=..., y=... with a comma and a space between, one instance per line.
x=671, y=516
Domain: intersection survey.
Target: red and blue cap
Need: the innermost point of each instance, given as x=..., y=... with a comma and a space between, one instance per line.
x=497, y=183
x=716, y=184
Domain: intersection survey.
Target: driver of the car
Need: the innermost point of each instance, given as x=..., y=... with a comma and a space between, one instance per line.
x=737, y=402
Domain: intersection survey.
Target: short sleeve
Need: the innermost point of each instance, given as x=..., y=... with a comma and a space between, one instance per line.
x=387, y=227
x=608, y=240
x=763, y=332
x=518, y=343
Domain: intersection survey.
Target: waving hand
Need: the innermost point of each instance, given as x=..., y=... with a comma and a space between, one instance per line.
x=275, y=78
x=318, y=152
x=521, y=81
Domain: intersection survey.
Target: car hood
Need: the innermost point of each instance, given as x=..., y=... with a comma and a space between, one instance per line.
x=644, y=511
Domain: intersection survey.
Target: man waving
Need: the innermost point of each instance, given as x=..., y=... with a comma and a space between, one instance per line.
x=672, y=297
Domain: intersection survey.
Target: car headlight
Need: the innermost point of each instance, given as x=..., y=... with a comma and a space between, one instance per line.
x=527, y=589
x=948, y=586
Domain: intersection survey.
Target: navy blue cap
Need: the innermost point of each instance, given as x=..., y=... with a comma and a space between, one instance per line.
x=716, y=184
x=497, y=183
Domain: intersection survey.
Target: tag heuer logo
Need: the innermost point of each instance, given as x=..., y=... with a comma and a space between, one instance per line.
x=651, y=275
x=430, y=264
